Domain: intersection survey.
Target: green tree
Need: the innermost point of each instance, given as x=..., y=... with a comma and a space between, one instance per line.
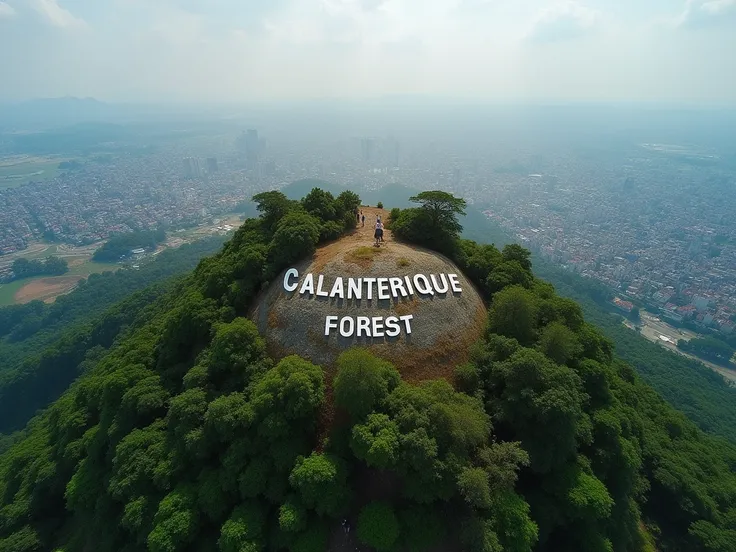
x=362, y=382
x=473, y=485
x=378, y=526
x=237, y=353
x=320, y=481
x=296, y=236
x=434, y=224
x=559, y=343
x=273, y=206
x=443, y=209
x=175, y=523
x=243, y=531
x=287, y=397
x=376, y=442
x=292, y=516
x=541, y=403
x=514, y=252
x=320, y=204
x=513, y=314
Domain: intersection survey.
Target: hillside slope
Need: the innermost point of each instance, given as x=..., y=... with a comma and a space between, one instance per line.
x=42, y=347
x=187, y=435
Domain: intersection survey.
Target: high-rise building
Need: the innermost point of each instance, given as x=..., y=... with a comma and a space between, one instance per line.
x=191, y=167
x=367, y=147
x=252, y=147
x=211, y=165
x=393, y=153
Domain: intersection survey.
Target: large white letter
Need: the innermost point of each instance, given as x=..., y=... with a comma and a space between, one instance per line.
x=383, y=288
x=291, y=273
x=408, y=285
x=392, y=326
x=347, y=332
x=320, y=291
x=370, y=282
x=397, y=285
x=355, y=288
x=337, y=289
x=437, y=288
x=330, y=324
x=422, y=285
x=455, y=283
x=378, y=326
x=406, y=319
x=364, y=325
x=307, y=285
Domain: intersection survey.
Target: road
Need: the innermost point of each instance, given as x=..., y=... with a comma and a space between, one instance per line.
x=658, y=331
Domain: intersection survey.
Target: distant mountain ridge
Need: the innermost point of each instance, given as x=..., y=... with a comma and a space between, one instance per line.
x=48, y=113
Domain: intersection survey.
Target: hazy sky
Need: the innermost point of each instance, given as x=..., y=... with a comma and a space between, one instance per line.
x=499, y=50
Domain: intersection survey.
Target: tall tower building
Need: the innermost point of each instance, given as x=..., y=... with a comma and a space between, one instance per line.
x=394, y=150
x=367, y=147
x=211, y=165
x=252, y=147
x=191, y=167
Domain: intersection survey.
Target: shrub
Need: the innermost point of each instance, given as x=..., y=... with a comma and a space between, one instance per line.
x=378, y=526
x=467, y=378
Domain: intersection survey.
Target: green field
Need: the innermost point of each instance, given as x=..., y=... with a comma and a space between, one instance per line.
x=8, y=291
x=91, y=267
x=14, y=174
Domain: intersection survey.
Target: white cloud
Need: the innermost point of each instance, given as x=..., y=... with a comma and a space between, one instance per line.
x=698, y=13
x=6, y=10
x=55, y=14
x=231, y=50
x=563, y=21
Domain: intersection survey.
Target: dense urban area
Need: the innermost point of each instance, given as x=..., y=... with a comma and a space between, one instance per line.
x=654, y=222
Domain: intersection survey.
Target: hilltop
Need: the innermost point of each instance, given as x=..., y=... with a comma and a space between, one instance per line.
x=442, y=327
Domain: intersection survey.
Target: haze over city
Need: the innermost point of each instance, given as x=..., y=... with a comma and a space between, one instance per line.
x=230, y=51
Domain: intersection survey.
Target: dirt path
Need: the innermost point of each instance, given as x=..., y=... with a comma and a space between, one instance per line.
x=361, y=236
x=366, y=233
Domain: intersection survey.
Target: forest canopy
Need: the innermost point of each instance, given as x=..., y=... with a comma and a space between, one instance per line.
x=50, y=266
x=121, y=245
x=187, y=435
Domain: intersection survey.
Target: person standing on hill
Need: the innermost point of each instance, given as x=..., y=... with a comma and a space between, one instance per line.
x=362, y=217
x=378, y=234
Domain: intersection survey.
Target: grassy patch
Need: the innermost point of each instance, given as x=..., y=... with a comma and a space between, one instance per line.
x=363, y=256
x=22, y=172
x=91, y=267
x=8, y=291
x=403, y=262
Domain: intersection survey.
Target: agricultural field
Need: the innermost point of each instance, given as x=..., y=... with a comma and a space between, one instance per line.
x=81, y=265
x=47, y=288
x=18, y=170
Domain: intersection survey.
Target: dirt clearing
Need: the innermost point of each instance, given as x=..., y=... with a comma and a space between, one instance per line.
x=46, y=289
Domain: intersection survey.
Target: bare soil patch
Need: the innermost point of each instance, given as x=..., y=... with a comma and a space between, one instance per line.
x=46, y=289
